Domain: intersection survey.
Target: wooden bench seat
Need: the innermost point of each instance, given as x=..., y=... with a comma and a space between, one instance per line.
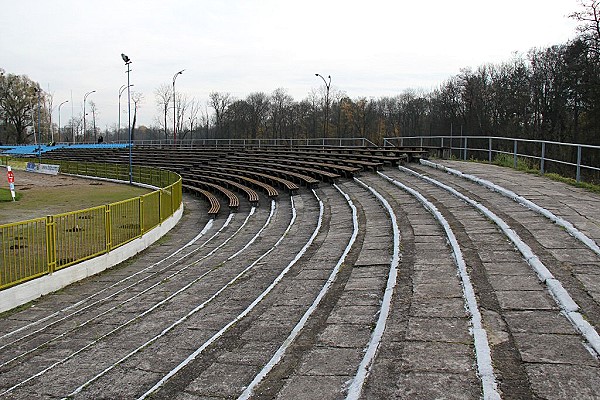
x=250, y=193
x=215, y=206
x=271, y=191
x=284, y=174
x=234, y=202
x=289, y=185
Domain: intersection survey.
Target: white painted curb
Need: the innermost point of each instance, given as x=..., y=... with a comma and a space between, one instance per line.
x=31, y=290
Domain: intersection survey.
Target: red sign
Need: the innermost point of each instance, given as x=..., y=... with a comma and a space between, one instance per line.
x=11, y=177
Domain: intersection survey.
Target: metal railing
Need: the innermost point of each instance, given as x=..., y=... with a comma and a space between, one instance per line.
x=312, y=142
x=32, y=248
x=579, y=161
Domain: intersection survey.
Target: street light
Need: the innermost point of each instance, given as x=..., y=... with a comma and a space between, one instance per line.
x=327, y=85
x=66, y=101
x=175, y=107
x=38, y=91
x=84, y=100
x=120, y=92
x=127, y=63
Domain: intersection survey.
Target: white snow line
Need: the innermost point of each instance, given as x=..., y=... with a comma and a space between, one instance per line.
x=190, y=313
x=138, y=294
x=568, y=226
x=300, y=325
x=257, y=234
x=208, y=225
x=355, y=388
x=480, y=339
x=561, y=296
x=223, y=330
x=118, y=328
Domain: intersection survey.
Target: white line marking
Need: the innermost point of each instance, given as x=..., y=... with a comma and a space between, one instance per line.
x=223, y=330
x=560, y=295
x=480, y=339
x=355, y=388
x=568, y=226
x=300, y=325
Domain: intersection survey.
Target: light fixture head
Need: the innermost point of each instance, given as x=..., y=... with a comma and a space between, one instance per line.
x=125, y=58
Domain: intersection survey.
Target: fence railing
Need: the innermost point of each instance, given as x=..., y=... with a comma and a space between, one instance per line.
x=314, y=142
x=32, y=248
x=579, y=161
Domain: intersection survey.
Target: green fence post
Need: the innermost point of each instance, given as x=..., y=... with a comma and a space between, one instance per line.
x=50, y=243
x=141, y=214
x=108, y=227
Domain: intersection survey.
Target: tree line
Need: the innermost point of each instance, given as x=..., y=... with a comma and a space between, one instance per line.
x=548, y=93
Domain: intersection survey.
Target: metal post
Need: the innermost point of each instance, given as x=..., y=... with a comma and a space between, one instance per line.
x=465, y=150
x=128, y=63
x=39, y=130
x=515, y=155
x=66, y=101
x=543, y=158
x=175, y=108
x=490, y=150
x=578, y=178
x=327, y=86
x=121, y=89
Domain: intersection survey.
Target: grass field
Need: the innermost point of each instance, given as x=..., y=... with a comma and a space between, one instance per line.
x=41, y=195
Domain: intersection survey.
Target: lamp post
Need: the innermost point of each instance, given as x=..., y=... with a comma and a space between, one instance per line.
x=175, y=107
x=84, y=100
x=38, y=91
x=127, y=63
x=327, y=85
x=66, y=101
x=120, y=92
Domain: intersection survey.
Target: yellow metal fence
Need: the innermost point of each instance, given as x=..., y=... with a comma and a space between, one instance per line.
x=40, y=246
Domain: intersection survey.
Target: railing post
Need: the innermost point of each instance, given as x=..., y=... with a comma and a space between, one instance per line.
x=515, y=154
x=578, y=177
x=141, y=215
x=51, y=243
x=490, y=150
x=465, y=150
x=108, y=227
x=542, y=160
x=160, y=194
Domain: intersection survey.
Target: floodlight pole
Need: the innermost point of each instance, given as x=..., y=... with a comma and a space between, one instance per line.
x=327, y=86
x=175, y=108
x=120, y=93
x=84, y=100
x=59, y=133
x=39, y=129
x=128, y=62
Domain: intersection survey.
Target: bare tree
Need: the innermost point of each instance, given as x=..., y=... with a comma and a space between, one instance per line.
x=18, y=99
x=590, y=28
x=163, y=95
x=182, y=106
x=219, y=102
x=94, y=111
x=280, y=108
x=136, y=98
x=194, y=108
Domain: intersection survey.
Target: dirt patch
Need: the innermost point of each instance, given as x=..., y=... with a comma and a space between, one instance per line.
x=44, y=195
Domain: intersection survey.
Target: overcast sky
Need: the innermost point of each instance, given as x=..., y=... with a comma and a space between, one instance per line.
x=370, y=48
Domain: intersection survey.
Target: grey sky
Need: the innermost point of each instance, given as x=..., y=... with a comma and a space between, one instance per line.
x=370, y=48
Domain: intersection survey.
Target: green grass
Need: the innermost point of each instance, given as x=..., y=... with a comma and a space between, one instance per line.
x=570, y=181
x=528, y=166
x=39, y=201
x=523, y=164
x=6, y=196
